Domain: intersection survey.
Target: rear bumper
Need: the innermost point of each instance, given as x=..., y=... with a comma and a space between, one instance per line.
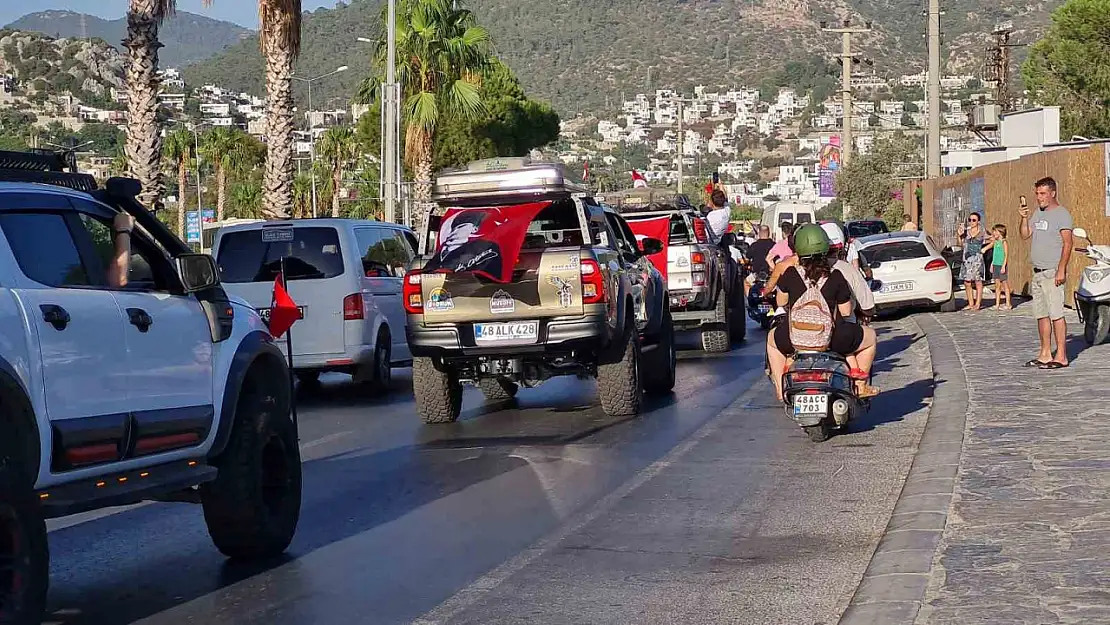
x=556, y=336
x=346, y=360
x=929, y=292
x=693, y=307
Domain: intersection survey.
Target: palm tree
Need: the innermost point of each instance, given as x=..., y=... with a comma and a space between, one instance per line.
x=302, y=195
x=178, y=149
x=337, y=150
x=225, y=148
x=144, y=137
x=280, y=39
x=247, y=197
x=441, y=51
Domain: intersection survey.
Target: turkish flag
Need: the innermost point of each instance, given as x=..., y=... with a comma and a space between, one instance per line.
x=655, y=228
x=283, y=310
x=485, y=241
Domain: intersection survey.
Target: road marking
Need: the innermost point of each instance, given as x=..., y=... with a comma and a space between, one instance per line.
x=473, y=593
x=53, y=525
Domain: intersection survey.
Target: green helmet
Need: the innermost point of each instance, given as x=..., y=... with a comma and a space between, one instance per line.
x=811, y=240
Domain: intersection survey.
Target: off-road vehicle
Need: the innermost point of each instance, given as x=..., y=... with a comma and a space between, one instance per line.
x=581, y=297
x=161, y=390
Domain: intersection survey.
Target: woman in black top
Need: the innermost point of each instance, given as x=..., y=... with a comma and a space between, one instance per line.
x=857, y=343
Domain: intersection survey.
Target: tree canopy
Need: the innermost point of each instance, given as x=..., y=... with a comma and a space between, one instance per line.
x=869, y=183
x=1068, y=67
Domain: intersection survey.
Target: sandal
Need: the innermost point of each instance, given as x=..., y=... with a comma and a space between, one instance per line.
x=1053, y=365
x=1035, y=363
x=859, y=374
x=866, y=391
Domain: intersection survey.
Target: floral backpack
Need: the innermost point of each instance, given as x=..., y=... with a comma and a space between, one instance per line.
x=810, y=320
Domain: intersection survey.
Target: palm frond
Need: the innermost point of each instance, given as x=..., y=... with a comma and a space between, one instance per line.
x=465, y=97
x=283, y=19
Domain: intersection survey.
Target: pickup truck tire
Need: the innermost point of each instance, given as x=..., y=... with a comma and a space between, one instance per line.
x=619, y=386
x=659, y=375
x=498, y=389
x=718, y=341
x=253, y=505
x=739, y=324
x=24, y=553
x=438, y=393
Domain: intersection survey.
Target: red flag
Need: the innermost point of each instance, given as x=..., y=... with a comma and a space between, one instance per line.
x=485, y=241
x=586, y=172
x=638, y=180
x=283, y=310
x=655, y=228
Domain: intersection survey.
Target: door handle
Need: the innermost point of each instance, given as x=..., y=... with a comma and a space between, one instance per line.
x=55, y=315
x=139, y=318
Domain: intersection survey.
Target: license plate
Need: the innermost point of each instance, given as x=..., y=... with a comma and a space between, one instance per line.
x=811, y=404
x=265, y=313
x=764, y=308
x=896, y=287
x=512, y=332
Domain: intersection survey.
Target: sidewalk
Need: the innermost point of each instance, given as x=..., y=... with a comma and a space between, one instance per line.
x=1027, y=537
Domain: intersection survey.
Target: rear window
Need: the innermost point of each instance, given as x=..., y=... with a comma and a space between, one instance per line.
x=312, y=254
x=866, y=228
x=555, y=226
x=804, y=218
x=787, y=217
x=898, y=250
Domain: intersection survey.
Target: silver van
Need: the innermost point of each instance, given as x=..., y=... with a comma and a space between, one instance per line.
x=346, y=277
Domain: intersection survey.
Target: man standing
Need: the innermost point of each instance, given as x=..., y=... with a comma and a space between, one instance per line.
x=1049, y=254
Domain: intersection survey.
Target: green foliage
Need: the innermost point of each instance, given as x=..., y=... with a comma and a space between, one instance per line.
x=1068, y=67
x=833, y=211
x=869, y=182
x=745, y=212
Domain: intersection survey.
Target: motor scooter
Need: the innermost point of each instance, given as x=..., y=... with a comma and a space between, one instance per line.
x=1092, y=296
x=819, y=393
x=759, y=305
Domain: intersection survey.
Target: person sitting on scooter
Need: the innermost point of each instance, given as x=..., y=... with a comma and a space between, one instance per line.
x=857, y=343
x=864, y=307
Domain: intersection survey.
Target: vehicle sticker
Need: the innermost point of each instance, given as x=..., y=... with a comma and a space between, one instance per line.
x=682, y=261
x=275, y=235
x=573, y=264
x=562, y=287
x=439, y=300
x=501, y=303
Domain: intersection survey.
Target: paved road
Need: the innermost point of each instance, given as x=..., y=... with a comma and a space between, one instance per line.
x=709, y=507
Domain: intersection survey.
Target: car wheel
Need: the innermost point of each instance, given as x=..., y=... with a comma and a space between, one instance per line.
x=253, y=506
x=717, y=341
x=382, y=377
x=498, y=389
x=619, y=386
x=659, y=376
x=438, y=393
x=24, y=553
x=949, y=306
x=308, y=378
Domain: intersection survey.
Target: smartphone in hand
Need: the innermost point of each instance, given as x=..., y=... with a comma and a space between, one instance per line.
x=1024, y=210
x=1024, y=203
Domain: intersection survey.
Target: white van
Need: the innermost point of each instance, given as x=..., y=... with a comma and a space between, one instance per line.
x=797, y=214
x=345, y=275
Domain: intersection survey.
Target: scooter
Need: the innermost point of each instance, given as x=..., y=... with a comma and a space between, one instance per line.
x=819, y=393
x=1092, y=297
x=760, y=306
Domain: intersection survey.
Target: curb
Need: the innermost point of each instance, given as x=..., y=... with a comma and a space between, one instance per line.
x=893, y=586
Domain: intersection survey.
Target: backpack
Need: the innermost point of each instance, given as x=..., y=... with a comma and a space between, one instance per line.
x=810, y=320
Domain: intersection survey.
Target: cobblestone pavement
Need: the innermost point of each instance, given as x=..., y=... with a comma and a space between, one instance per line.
x=1027, y=538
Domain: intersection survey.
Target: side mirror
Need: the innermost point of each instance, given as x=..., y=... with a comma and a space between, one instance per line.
x=1081, y=233
x=651, y=246
x=197, y=272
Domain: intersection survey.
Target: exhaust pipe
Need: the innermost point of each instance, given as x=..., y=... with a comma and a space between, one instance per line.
x=840, y=411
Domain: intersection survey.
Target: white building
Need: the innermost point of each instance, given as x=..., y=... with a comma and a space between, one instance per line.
x=221, y=109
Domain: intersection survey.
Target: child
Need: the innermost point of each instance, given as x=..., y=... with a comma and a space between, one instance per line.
x=999, y=262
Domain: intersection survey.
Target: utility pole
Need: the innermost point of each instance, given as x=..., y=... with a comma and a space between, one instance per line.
x=681, y=146
x=998, y=65
x=932, y=156
x=847, y=59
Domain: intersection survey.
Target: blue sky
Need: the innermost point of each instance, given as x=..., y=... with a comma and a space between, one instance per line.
x=243, y=12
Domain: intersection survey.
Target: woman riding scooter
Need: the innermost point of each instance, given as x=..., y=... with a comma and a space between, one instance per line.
x=857, y=343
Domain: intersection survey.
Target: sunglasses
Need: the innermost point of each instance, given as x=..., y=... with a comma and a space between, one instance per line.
x=972, y=221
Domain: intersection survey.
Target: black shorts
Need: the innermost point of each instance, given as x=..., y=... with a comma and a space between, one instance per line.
x=846, y=338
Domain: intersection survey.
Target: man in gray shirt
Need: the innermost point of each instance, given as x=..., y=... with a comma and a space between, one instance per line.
x=1050, y=230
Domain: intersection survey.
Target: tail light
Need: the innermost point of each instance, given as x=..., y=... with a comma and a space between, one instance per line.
x=935, y=265
x=697, y=260
x=410, y=292
x=699, y=231
x=593, y=283
x=811, y=376
x=352, y=307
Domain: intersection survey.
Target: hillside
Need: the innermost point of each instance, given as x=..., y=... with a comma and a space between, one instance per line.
x=188, y=37
x=86, y=69
x=579, y=53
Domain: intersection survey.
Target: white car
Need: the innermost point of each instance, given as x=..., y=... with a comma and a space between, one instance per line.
x=908, y=270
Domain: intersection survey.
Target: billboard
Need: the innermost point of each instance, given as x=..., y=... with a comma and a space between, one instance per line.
x=192, y=224
x=828, y=165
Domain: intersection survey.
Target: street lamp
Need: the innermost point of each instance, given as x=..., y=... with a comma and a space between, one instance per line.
x=391, y=130
x=312, y=126
x=193, y=126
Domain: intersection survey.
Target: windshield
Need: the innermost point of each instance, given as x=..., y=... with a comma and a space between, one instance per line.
x=312, y=254
x=896, y=250
x=865, y=228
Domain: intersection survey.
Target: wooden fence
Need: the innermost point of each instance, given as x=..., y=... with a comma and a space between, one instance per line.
x=993, y=191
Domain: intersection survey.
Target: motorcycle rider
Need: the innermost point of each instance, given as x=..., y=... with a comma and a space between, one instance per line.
x=864, y=307
x=857, y=343
x=757, y=256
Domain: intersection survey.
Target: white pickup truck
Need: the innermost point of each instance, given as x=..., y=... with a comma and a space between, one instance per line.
x=704, y=282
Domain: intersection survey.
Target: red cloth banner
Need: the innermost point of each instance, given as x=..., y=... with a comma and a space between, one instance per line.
x=655, y=228
x=283, y=310
x=485, y=241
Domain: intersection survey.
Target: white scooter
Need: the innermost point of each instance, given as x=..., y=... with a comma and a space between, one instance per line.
x=1092, y=298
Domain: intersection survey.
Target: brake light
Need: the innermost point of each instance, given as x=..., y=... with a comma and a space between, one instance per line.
x=699, y=231
x=935, y=265
x=411, y=294
x=811, y=376
x=593, y=283
x=697, y=259
x=352, y=307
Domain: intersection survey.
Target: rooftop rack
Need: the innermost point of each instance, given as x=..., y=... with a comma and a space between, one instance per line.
x=44, y=167
x=496, y=179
